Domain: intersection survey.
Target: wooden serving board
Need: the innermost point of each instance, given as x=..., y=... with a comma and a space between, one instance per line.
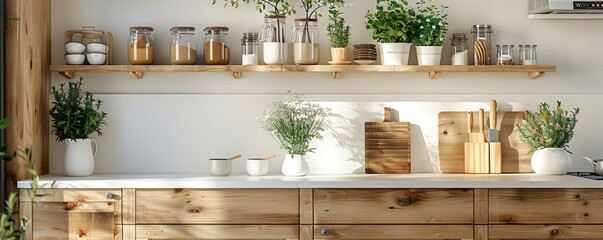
x=452, y=135
x=387, y=147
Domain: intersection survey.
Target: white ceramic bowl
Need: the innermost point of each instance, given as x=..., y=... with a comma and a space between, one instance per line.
x=96, y=58
x=74, y=47
x=219, y=167
x=75, y=59
x=97, y=48
x=257, y=167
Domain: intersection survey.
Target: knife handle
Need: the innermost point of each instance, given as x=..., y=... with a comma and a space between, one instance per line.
x=470, y=122
x=480, y=118
x=493, y=114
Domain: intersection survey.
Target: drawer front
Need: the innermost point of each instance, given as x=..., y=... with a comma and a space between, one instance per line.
x=546, y=206
x=374, y=232
x=73, y=195
x=200, y=232
x=393, y=206
x=546, y=232
x=208, y=206
x=74, y=220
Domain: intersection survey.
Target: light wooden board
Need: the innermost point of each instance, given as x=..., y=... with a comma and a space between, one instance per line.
x=452, y=134
x=74, y=220
x=569, y=232
x=306, y=205
x=387, y=147
x=393, y=232
x=211, y=232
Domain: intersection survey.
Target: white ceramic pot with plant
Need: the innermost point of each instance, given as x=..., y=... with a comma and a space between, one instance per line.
x=431, y=24
x=393, y=26
x=339, y=36
x=549, y=132
x=294, y=123
x=75, y=116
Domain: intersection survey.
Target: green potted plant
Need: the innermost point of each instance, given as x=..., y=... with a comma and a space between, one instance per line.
x=393, y=26
x=432, y=22
x=549, y=132
x=339, y=36
x=294, y=123
x=75, y=116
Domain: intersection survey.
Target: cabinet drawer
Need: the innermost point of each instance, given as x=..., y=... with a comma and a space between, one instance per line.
x=546, y=206
x=209, y=206
x=374, y=232
x=545, y=232
x=217, y=232
x=393, y=206
x=73, y=195
x=74, y=220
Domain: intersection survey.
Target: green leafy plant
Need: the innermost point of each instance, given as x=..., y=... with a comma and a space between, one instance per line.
x=75, y=116
x=337, y=30
x=432, y=22
x=548, y=128
x=277, y=7
x=294, y=123
x=311, y=7
x=393, y=22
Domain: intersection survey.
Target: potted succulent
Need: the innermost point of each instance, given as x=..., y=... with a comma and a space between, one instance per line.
x=393, y=26
x=549, y=131
x=294, y=123
x=339, y=36
x=75, y=116
x=432, y=22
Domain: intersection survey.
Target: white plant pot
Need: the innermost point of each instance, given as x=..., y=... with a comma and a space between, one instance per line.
x=295, y=165
x=257, y=167
x=275, y=53
x=429, y=55
x=79, y=157
x=394, y=53
x=551, y=161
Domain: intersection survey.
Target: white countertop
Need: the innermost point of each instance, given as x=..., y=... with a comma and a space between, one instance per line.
x=317, y=181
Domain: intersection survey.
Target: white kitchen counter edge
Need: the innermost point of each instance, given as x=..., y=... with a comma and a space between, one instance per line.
x=105, y=181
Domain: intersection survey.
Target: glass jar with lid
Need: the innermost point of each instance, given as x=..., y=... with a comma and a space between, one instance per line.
x=527, y=55
x=217, y=46
x=249, y=44
x=504, y=54
x=141, y=46
x=482, y=44
x=460, y=51
x=183, y=46
x=273, y=37
x=306, y=44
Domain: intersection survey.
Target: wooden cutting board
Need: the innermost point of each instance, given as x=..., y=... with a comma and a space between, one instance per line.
x=387, y=145
x=452, y=135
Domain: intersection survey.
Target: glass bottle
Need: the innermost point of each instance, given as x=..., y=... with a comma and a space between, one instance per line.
x=527, y=55
x=217, y=46
x=460, y=51
x=504, y=54
x=306, y=44
x=183, y=46
x=482, y=44
x=141, y=46
x=249, y=44
x=273, y=38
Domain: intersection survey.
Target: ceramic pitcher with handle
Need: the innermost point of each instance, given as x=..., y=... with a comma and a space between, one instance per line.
x=79, y=157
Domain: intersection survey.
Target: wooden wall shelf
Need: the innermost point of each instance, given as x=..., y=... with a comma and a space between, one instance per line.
x=137, y=71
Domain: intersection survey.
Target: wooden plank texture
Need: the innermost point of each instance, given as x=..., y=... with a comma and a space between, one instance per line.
x=573, y=232
x=74, y=220
x=214, y=206
x=129, y=206
x=546, y=206
x=374, y=232
x=393, y=206
x=452, y=127
x=74, y=195
x=211, y=232
x=480, y=210
x=306, y=205
x=387, y=147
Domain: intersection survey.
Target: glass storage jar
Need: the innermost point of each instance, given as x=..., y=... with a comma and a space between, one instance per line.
x=141, y=46
x=89, y=44
x=460, y=51
x=249, y=43
x=217, y=46
x=482, y=44
x=273, y=37
x=183, y=46
x=504, y=54
x=306, y=44
x=527, y=55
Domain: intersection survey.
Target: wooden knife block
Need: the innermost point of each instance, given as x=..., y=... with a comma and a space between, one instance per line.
x=387, y=146
x=477, y=157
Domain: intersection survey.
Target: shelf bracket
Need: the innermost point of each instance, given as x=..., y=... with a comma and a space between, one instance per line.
x=434, y=75
x=136, y=75
x=68, y=75
x=336, y=75
x=236, y=75
x=535, y=75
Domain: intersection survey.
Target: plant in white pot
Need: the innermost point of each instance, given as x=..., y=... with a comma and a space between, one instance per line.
x=74, y=117
x=294, y=123
x=432, y=22
x=549, y=132
x=339, y=36
x=393, y=26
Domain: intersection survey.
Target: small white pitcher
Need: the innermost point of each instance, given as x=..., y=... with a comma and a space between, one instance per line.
x=79, y=157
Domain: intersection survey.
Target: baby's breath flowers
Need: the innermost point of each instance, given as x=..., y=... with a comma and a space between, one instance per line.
x=432, y=22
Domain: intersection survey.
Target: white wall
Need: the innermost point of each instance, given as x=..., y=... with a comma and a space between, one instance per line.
x=171, y=122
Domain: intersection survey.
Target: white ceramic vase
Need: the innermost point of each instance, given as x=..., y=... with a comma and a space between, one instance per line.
x=79, y=157
x=275, y=53
x=394, y=53
x=551, y=161
x=295, y=165
x=429, y=55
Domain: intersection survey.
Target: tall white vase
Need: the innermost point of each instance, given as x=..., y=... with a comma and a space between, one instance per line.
x=551, y=161
x=394, y=53
x=79, y=157
x=295, y=165
x=429, y=55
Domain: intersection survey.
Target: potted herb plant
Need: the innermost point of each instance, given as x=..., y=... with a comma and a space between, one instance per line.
x=339, y=36
x=294, y=123
x=549, y=132
x=74, y=117
x=393, y=26
x=432, y=22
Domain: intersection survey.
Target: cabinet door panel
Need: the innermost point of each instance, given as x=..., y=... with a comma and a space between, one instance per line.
x=217, y=232
x=514, y=232
x=393, y=206
x=375, y=232
x=74, y=220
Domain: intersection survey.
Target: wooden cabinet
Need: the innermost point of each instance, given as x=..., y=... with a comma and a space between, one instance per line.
x=573, y=232
x=375, y=232
x=210, y=232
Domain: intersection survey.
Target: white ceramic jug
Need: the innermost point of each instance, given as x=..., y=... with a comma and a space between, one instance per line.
x=79, y=157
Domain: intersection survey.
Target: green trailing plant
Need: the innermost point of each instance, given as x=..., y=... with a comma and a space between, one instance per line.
x=393, y=22
x=276, y=7
x=294, y=123
x=432, y=22
x=548, y=128
x=337, y=30
x=75, y=116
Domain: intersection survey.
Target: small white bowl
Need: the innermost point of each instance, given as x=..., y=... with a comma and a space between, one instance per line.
x=97, y=48
x=75, y=59
x=96, y=58
x=220, y=167
x=257, y=167
x=74, y=47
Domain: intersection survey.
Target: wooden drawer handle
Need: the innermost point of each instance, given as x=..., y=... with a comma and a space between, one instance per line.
x=403, y=202
x=324, y=231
